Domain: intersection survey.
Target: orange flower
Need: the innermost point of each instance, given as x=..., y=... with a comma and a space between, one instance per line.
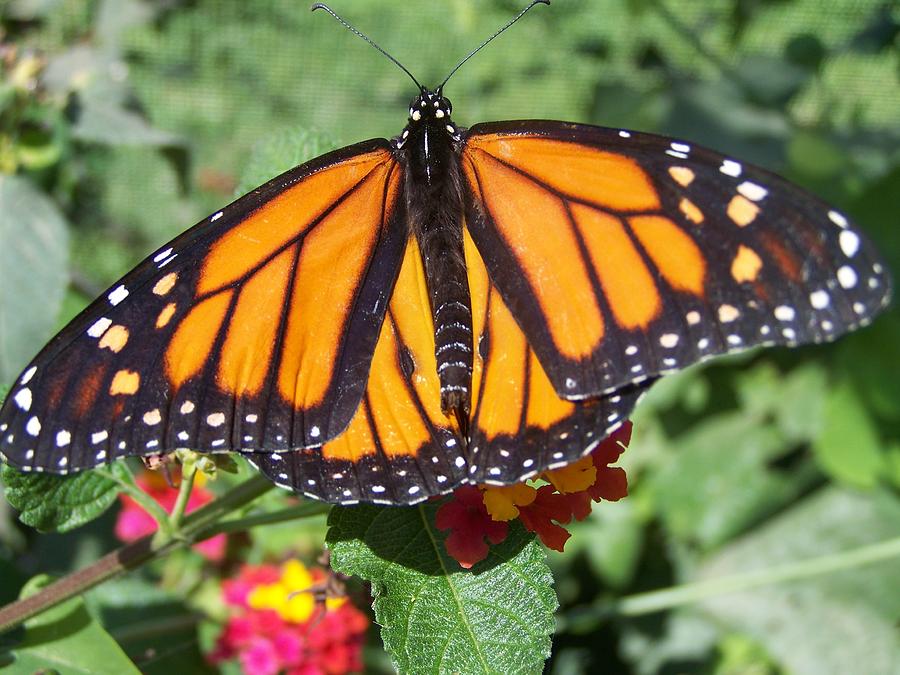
x=474, y=515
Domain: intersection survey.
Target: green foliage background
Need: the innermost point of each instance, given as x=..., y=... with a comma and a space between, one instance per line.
x=149, y=112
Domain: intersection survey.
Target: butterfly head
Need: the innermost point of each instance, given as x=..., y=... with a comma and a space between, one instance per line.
x=428, y=106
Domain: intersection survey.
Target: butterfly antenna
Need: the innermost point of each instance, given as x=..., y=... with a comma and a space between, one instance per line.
x=346, y=24
x=485, y=43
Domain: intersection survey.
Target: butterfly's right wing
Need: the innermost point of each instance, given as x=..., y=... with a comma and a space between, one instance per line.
x=254, y=329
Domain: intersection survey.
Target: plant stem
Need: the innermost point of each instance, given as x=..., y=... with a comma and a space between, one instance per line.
x=304, y=510
x=188, y=471
x=145, y=501
x=676, y=596
x=134, y=555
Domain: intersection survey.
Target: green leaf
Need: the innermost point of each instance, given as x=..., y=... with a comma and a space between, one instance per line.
x=717, y=483
x=102, y=121
x=849, y=448
x=68, y=640
x=60, y=503
x=280, y=152
x=33, y=271
x=436, y=617
x=843, y=622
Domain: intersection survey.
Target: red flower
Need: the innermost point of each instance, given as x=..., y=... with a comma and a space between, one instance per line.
x=611, y=483
x=475, y=514
x=470, y=524
x=133, y=522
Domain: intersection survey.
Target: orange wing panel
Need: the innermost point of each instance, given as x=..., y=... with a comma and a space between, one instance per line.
x=606, y=179
x=675, y=254
x=247, y=352
x=192, y=342
x=332, y=262
x=627, y=283
x=402, y=398
x=538, y=232
x=283, y=219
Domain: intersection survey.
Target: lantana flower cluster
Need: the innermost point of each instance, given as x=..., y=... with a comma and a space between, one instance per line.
x=479, y=516
x=277, y=625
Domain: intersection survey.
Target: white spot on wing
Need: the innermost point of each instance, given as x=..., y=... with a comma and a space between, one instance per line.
x=162, y=255
x=752, y=191
x=731, y=168
x=849, y=243
x=117, y=295
x=669, y=340
x=34, y=426
x=99, y=437
x=837, y=218
x=99, y=327
x=23, y=399
x=152, y=417
x=727, y=313
x=63, y=438
x=27, y=375
x=215, y=217
x=784, y=313
x=216, y=419
x=846, y=277
x=819, y=299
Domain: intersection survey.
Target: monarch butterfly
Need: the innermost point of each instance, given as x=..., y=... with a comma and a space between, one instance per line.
x=395, y=318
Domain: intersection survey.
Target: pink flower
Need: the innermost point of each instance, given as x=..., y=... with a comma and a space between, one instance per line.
x=275, y=629
x=133, y=522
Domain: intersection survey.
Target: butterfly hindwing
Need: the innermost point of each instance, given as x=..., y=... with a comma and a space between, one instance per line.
x=626, y=255
x=520, y=425
x=201, y=346
x=399, y=447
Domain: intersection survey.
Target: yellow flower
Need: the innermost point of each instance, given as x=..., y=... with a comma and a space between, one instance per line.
x=574, y=477
x=289, y=595
x=295, y=576
x=502, y=502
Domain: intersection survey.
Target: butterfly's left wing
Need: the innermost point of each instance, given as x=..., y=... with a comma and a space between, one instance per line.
x=520, y=426
x=624, y=255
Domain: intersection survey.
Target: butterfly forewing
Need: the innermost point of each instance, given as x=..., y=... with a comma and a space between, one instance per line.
x=252, y=330
x=625, y=255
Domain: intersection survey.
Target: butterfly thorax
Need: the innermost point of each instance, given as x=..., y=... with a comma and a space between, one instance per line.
x=429, y=153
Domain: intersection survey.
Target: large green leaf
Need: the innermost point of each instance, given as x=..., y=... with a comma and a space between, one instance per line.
x=436, y=617
x=66, y=639
x=33, y=271
x=60, y=503
x=827, y=625
x=849, y=448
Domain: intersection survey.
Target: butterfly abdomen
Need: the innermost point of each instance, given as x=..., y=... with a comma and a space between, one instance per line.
x=434, y=205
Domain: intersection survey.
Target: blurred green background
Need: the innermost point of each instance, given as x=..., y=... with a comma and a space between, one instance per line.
x=124, y=122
